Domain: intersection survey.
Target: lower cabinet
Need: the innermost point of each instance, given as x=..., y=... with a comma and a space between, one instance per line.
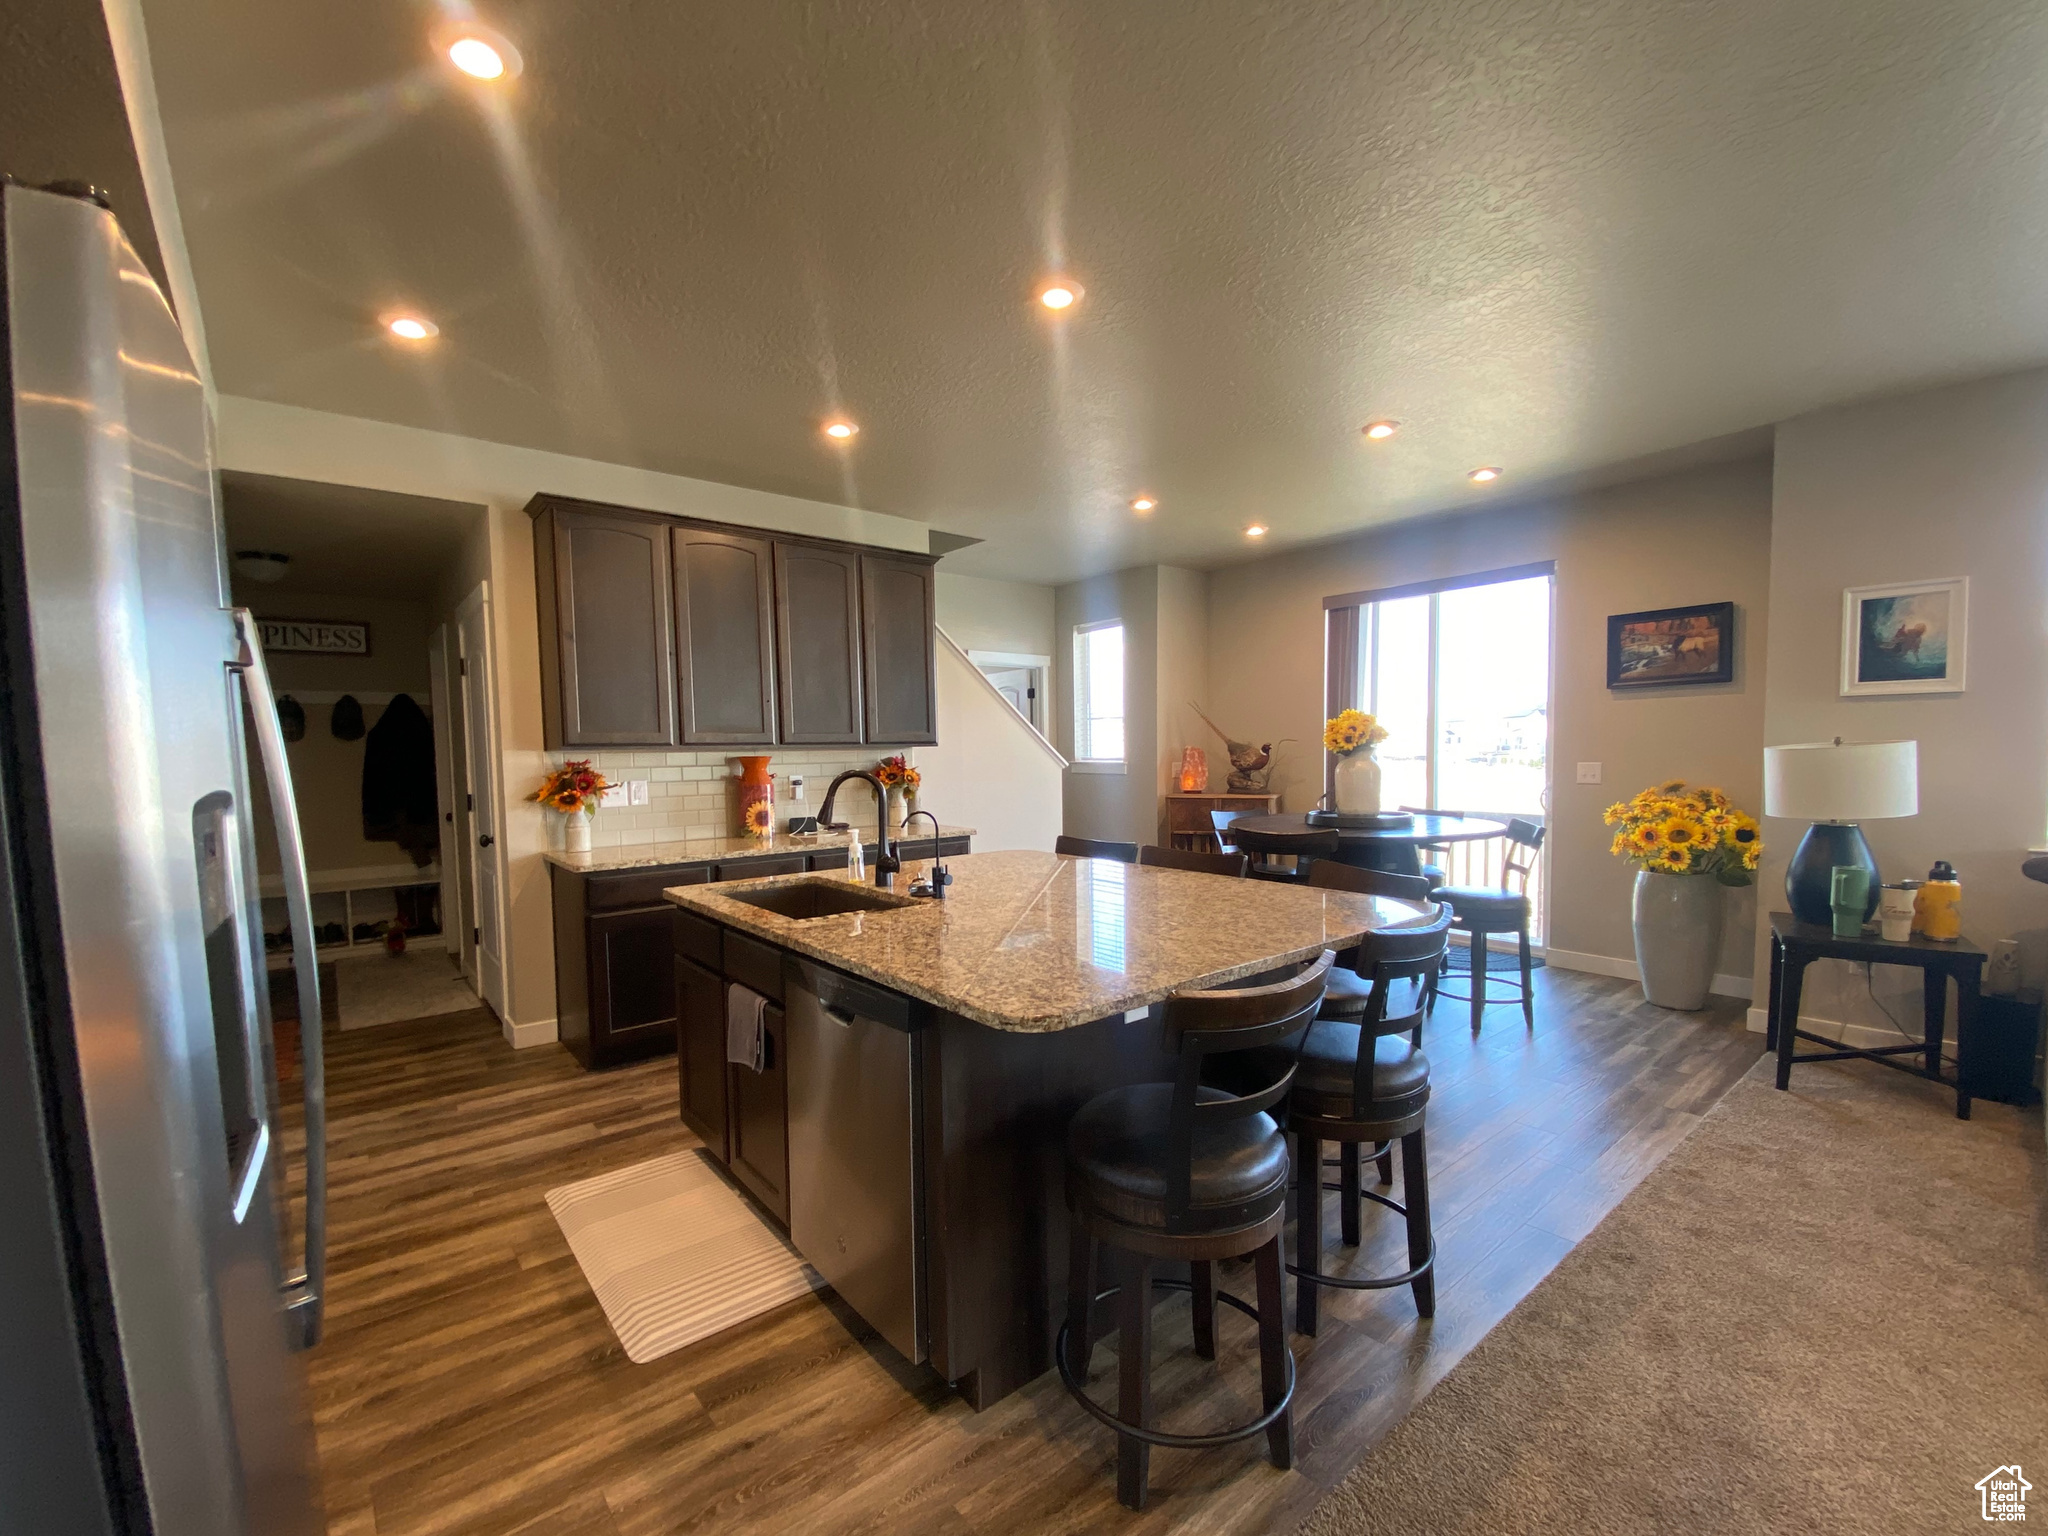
x=758, y=1108
x=700, y=1052
x=614, y=1001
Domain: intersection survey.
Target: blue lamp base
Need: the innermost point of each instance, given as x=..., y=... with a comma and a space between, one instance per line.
x=1809, y=879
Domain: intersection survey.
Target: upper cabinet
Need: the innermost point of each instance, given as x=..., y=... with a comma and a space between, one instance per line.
x=898, y=650
x=607, y=629
x=725, y=626
x=663, y=631
x=817, y=642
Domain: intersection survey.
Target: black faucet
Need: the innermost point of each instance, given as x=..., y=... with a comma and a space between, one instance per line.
x=886, y=862
x=941, y=877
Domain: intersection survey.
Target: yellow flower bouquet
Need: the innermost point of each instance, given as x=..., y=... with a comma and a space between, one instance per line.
x=573, y=787
x=1671, y=829
x=1344, y=733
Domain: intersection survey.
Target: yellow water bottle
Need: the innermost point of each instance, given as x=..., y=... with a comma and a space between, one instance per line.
x=1938, y=905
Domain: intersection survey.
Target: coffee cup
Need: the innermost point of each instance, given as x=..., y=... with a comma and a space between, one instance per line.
x=1895, y=912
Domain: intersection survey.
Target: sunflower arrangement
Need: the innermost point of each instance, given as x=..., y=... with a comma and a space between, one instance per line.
x=1673, y=829
x=573, y=787
x=896, y=773
x=1344, y=733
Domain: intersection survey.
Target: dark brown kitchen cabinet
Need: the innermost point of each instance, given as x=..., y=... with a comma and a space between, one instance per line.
x=614, y=1001
x=725, y=636
x=607, y=626
x=817, y=643
x=700, y=1052
x=899, y=638
x=759, y=1120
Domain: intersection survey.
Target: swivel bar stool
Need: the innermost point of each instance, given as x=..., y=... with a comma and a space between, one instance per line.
x=1357, y=1083
x=1479, y=910
x=1160, y=1172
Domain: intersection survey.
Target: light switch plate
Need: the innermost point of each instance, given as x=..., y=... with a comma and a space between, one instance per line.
x=638, y=789
x=1589, y=773
x=614, y=794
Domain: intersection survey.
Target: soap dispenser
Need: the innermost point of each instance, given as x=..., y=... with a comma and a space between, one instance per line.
x=1938, y=905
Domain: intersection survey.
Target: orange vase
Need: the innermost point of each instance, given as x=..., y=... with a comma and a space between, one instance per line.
x=756, y=798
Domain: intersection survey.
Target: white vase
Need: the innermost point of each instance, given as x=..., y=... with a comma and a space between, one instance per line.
x=576, y=832
x=899, y=808
x=1678, y=936
x=1357, y=783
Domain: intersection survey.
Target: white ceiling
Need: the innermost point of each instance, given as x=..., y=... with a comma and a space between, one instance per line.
x=1542, y=235
x=347, y=541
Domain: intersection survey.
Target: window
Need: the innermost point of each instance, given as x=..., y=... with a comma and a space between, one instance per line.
x=1099, y=697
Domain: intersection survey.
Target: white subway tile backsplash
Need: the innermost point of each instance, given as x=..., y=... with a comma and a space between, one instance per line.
x=691, y=793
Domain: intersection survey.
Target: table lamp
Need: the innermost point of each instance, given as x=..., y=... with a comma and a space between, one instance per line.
x=1835, y=785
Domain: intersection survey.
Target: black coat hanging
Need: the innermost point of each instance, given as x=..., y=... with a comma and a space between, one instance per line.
x=399, y=800
x=348, y=718
x=291, y=718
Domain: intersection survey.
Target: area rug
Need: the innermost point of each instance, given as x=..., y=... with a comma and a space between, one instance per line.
x=674, y=1253
x=1825, y=1312
x=377, y=988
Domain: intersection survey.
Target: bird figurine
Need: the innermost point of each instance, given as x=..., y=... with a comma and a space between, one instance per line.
x=1251, y=768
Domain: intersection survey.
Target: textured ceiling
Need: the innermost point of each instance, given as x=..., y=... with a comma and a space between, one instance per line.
x=1547, y=236
x=345, y=540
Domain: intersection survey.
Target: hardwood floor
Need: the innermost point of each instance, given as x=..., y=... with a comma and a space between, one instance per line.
x=469, y=1383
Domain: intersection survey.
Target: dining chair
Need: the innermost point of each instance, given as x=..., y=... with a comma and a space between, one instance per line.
x=1432, y=871
x=1304, y=847
x=1094, y=848
x=1478, y=910
x=1237, y=865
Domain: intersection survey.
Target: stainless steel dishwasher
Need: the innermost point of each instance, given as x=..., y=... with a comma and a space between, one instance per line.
x=856, y=1191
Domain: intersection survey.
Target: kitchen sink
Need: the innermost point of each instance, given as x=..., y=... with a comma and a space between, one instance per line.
x=801, y=900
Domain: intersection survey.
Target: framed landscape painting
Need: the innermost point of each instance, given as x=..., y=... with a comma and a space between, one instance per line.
x=1910, y=637
x=1671, y=645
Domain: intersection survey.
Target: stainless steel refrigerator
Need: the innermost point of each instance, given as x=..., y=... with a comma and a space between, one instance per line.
x=150, y=1378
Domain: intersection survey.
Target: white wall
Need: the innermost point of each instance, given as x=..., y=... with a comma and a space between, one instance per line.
x=990, y=770
x=986, y=615
x=1946, y=482
x=264, y=438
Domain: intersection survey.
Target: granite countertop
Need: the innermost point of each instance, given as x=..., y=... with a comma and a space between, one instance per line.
x=1034, y=942
x=720, y=845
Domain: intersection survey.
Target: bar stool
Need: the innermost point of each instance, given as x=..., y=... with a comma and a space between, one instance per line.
x=1179, y=1171
x=1094, y=848
x=1478, y=910
x=1236, y=865
x=1304, y=847
x=1349, y=993
x=1360, y=1083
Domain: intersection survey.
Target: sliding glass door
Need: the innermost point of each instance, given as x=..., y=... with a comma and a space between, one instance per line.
x=1460, y=677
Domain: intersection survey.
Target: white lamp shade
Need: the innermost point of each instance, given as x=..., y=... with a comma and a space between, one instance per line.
x=1838, y=781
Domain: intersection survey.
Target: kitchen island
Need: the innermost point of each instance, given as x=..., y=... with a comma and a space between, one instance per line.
x=923, y=1058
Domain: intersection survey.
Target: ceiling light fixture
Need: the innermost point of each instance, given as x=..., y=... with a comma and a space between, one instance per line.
x=1144, y=504
x=480, y=53
x=1379, y=429
x=1061, y=293
x=264, y=565
x=840, y=430
x=411, y=327
x=1484, y=473
x=1256, y=531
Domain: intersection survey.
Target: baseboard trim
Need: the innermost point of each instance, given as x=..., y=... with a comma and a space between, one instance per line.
x=1862, y=1036
x=535, y=1032
x=1607, y=965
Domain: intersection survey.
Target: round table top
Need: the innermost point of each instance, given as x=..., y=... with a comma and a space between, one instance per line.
x=1424, y=829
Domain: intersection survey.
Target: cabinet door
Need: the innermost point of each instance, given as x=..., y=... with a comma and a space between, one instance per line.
x=725, y=637
x=898, y=644
x=760, y=1122
x=632, y=994
x=700, y=1052
x=614, y=633
x=817, y=643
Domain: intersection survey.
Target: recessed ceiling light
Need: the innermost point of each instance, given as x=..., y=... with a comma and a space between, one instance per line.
x=1144, y=504
x=1060, y=293
x=1379, y=429
x=480, y=53
x=840, y=430
x=1485, y=473
x=411, y=327
x=1256, y=531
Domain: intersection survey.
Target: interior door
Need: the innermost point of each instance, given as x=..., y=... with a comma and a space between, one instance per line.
x=444, y=683
x=480, y=775
x=1014, y=684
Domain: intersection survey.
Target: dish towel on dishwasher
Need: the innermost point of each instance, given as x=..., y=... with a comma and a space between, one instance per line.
x=746, y=1037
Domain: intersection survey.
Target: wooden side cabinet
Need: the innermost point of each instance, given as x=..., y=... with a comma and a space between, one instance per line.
x=725, y=636
x=1188, y=823
x=817, y=643
x=607, y=626
x=899, y=650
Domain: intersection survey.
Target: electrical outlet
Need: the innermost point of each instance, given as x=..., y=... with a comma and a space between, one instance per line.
x=638, y=791
x=615, y=795
x=1589, y=773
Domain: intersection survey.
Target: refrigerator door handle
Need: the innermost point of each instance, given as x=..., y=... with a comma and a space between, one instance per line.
x=305, y=1291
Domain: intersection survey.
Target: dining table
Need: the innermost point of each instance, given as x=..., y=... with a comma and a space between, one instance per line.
x=1392, y=848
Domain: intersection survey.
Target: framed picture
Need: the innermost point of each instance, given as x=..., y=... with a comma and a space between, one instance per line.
x=1671, y=645
x=318, y=637
x=1910, y=637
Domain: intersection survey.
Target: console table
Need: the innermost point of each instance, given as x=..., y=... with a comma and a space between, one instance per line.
x=1796, y=945
x=1187, y=816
